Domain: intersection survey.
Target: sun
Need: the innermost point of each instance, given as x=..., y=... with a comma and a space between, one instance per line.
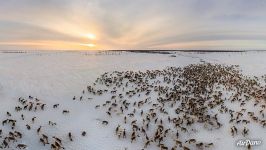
x=90, y=36
x=92, y=40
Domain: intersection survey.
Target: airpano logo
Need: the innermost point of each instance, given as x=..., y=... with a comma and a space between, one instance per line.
x=248, y=142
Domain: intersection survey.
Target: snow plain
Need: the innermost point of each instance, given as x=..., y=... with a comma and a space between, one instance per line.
x=55, y=77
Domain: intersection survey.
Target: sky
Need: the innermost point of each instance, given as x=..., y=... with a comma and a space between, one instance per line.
x=132, y=24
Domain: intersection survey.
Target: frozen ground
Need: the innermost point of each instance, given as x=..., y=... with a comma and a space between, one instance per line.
x=55, y=77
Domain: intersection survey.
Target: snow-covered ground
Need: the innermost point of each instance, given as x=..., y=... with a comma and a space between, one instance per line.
x=55, y=77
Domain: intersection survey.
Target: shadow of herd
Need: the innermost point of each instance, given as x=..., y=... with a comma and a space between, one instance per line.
x=164, y=108
x=160, y=108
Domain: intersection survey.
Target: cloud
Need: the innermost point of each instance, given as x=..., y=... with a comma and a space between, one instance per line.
x=22, y=31
x=135, y=24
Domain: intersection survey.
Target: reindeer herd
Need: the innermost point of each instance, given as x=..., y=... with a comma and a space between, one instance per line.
x=164, y=108
x=160, y=109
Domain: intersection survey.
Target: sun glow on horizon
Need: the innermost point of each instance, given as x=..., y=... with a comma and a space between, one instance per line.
x=91, y=36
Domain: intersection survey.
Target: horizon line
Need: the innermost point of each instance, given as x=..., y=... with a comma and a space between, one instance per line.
x=186, y=50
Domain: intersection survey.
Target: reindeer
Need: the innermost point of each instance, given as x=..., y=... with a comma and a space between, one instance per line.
x=28, y=127
x=43, y=141
x=70, y=136
x=8, y=114
x=83, y=133
x=39, y=130
x=55, y=105
x=65, y=111
x=33, y=119
x=21, y=146
x=57, y=139
x=105, y=122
